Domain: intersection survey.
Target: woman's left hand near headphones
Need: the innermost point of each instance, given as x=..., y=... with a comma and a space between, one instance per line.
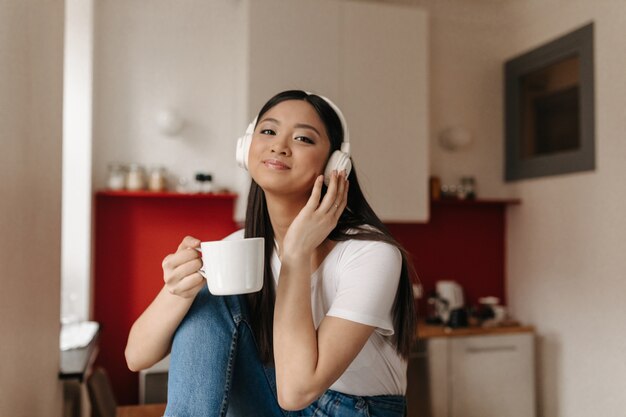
x=317, y=218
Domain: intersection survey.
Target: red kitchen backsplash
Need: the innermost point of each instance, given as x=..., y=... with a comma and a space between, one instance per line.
x=463, y=241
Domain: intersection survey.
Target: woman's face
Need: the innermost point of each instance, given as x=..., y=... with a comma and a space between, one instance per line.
x=289, y=149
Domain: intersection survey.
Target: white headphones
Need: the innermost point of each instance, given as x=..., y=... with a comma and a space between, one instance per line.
x=339, y=160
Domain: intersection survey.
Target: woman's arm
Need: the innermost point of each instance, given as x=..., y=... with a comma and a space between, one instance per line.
x=151, y=335
x=309, y=361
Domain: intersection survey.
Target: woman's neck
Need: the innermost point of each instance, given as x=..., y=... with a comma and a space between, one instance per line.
x=282, y=211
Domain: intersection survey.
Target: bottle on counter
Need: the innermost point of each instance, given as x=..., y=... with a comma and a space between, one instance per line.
x=116, y=178
x=182, y=185
x=435, y=188
x=208, y=184
x=204, y=183
x=157, y=179
x=135, y=180
x=468, y=184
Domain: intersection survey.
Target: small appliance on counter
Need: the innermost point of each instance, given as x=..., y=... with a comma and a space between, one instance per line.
x=490, y=312
x=448, y=305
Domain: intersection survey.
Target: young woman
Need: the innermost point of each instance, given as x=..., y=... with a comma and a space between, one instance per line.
x=330, y=332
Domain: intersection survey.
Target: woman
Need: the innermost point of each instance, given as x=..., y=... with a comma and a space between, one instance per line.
x=330, y=332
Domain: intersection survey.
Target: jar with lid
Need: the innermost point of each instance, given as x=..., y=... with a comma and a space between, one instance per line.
x=207, y=186
x=157, y=179
x=468, y=183
x=135, y=180
x=204, y=182
x=116, y=178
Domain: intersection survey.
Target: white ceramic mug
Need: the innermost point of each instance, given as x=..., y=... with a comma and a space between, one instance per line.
x=233, y=266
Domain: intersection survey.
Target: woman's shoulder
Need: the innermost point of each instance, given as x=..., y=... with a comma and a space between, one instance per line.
x=368, y=247
x=239, y=234
x=360, y=258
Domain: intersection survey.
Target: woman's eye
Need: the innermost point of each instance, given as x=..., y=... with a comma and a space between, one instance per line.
x=267, y=132
x=304, y=139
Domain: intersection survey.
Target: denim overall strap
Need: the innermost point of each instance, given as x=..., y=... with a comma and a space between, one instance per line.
x=214, y=365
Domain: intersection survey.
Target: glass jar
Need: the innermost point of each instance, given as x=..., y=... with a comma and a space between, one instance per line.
x=116, y=178
x=469, y=187
x=157, y=179
x=204, y=183
x=207, y=186
x=135, y=180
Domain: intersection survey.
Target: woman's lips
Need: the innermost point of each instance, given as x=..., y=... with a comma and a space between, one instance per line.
x=275, y=164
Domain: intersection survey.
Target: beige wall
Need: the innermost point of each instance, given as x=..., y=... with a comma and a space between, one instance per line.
x=31, y=53
x=566, y=272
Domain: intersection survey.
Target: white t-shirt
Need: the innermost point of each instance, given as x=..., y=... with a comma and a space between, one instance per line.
x=357, y=281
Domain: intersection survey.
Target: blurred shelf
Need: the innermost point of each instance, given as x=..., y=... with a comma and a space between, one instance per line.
x=166, y=194
x=477, y=202
x=426, y=331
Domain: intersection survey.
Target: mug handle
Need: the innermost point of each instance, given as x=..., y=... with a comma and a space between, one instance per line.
x=201, y=271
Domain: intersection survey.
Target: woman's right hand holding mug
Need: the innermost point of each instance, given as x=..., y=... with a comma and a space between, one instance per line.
x=180, y=269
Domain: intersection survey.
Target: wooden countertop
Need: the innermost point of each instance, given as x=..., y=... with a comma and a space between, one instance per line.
x=427, y=331
x=145, y=410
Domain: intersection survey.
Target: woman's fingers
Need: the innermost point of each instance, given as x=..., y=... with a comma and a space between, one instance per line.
x=189, y=286
x=336, y=196
x=180, y=269
x=184, y=277
x=342, y=201
x=174, y=260
x=189, y=242
x=316, y=193
x=331, y=194
x=341, y=185
x=188, y=268
x=179, y=265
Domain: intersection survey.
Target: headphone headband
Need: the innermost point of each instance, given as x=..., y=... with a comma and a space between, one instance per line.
x=342, y=119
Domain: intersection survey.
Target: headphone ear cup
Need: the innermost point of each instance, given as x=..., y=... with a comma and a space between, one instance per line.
x=243, y=148
x=338, y=161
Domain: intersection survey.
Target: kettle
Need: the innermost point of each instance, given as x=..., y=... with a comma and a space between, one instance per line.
x=451, y=295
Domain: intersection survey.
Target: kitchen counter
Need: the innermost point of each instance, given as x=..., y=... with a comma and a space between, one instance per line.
x=427, y=331
x=477, y=371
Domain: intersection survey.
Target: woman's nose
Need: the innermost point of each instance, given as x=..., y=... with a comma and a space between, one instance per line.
x=280, y=145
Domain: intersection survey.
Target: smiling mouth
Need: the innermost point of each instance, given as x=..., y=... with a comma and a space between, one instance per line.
x=275, y=164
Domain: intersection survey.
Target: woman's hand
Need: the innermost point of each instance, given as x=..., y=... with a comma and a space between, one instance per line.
x=180, y=269
x=317, y=218
x=151, y=335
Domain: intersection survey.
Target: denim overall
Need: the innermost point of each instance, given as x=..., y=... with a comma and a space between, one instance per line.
x=215, y=370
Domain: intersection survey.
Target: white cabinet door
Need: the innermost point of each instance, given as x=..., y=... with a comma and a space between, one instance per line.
x=293, y=44
x=372, y=60
x=492, y=376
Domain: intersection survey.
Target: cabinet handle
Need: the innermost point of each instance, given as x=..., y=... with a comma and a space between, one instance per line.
x=491, y=349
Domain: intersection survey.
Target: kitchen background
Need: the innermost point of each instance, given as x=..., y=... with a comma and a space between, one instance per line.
x=564, y=262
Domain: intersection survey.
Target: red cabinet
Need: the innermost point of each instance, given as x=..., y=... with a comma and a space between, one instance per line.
x=134, y=231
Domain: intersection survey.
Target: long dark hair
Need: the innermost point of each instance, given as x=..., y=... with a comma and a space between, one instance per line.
x=358, y=216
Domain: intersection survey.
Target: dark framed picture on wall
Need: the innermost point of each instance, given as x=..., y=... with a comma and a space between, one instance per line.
x=549, y=108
